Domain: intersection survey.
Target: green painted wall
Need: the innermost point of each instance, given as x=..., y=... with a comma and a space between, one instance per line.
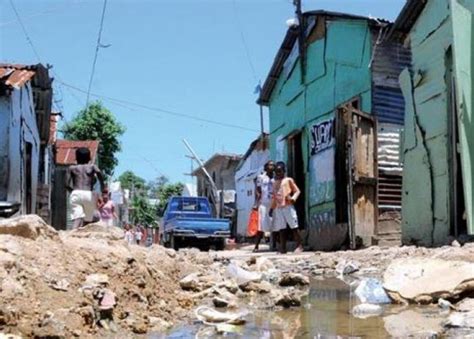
x=426, y=177
x=463, y=28
x=337, y=71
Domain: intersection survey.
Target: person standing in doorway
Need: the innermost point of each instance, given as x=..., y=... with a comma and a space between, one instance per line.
x=263, y=201
x=285, y=193
x=80, y=180
x=107, y=210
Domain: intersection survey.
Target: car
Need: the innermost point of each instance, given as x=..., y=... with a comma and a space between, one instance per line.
x=189, y=221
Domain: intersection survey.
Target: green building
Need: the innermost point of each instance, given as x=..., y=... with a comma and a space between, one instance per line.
x=439, y=129
x=336, y=115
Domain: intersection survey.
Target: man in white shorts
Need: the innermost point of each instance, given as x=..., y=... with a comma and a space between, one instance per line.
x=263, y=201
x=80, y=182
x=285, y=193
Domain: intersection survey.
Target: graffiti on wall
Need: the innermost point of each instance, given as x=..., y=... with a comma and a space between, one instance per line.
x=321, y=219
x=322, y=178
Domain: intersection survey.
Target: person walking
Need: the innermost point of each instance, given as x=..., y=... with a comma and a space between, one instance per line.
x=263, y=201
x=285, y=193
x=80, y=180
x=107, y=210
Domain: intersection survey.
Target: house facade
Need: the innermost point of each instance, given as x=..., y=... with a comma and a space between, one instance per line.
x=439, y=129
x=25, y=152
x=250, y=167
x=221, y=167
x=336, y=116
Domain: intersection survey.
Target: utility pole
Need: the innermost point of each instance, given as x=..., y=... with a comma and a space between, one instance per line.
x=301, y=37
x=206, y=173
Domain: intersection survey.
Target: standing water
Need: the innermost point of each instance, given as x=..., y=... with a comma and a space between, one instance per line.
x=325, y=314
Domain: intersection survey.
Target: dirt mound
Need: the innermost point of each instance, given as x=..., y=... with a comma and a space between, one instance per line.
x=27, y=226
x=75, y=283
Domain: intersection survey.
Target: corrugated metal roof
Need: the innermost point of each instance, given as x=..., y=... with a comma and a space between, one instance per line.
x=407, y=18
x=66, y=150
x=218, y=157
x=16, y=76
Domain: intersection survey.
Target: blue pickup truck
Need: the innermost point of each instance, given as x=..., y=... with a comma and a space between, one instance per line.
x=188, y=221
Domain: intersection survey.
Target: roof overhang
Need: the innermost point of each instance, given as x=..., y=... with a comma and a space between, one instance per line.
x=406, y=19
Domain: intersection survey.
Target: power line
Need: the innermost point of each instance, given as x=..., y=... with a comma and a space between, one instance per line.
x=244, y=42
x=97, y=47
x=161, y=110
x=25, y=31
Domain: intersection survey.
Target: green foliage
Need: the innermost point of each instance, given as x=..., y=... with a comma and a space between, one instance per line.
x=142, y=211
x=96, y=122
x=134, y=183
x=166, y=192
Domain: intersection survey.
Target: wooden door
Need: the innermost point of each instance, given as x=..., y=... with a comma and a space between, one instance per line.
x=361, y=170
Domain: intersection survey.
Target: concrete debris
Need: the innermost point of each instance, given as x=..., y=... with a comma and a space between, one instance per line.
x=344, y=268
x=466, y=305
x=191, y=283
x=259, y=287
x=28, y=226
x=364, y=311
x=220, y=302
x=426, y=280
x=461, y=319
x=288, y=298
x=210, y=316
x=294, y=279
x=413, y=324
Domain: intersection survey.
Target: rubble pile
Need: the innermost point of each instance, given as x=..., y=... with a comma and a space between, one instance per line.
x=86, y=282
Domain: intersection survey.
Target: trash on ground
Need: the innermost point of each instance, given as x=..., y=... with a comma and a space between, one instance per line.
x=210, y=316
x=371, y=291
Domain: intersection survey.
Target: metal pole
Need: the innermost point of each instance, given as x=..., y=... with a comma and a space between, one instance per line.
x=208, y=176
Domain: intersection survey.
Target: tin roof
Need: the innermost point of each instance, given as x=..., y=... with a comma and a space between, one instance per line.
x=15, y=76
x=66, y=150
x=289, y=41
x=407, y=18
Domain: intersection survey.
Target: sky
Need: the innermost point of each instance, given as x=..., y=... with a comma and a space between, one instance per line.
x=199, y=58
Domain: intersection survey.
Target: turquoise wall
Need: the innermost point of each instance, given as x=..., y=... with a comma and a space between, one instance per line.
x=337, y=70
x=425, y=201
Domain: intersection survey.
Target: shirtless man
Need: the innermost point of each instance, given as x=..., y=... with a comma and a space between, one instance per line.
x=80, y=183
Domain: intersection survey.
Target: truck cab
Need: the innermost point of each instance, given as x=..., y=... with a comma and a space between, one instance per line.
x=189, y=221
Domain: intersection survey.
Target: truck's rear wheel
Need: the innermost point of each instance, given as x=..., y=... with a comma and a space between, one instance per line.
x=174, y=243
x=220, y=245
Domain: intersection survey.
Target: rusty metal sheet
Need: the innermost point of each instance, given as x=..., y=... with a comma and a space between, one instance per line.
x=66, y=150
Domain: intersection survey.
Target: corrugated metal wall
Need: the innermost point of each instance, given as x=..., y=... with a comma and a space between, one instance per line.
x=388, y=104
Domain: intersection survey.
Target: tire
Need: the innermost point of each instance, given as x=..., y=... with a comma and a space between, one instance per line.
x=174, y=243
x=220, y=245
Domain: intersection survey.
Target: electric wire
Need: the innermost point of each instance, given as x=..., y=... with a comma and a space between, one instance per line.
x=161, y=110
x=98, y=45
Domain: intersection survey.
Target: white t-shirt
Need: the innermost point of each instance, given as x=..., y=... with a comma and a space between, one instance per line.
x=266, y=186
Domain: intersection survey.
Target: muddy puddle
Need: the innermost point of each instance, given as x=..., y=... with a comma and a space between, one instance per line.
x=326, y=314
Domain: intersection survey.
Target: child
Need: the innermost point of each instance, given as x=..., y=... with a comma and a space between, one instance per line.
x=285, y=193
x=138, y=234
x=107, y=210
x=128, y=234
x=80, y=180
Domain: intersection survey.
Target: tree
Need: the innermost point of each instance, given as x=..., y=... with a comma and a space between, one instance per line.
x=142, y=211
x=96, y=122
x=134, y=183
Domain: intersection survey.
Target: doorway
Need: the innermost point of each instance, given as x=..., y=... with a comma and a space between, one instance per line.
x=296, y=170
x=356, y=174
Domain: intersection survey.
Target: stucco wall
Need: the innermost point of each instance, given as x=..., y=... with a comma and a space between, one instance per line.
x=426, y=189
x=337, y=71
x=4, y=137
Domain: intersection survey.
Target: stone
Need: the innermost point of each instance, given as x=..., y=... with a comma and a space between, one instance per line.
x=364, y=311
x=98, y=231
x=28, y=226
x=410, y=323
x=444, y=304
x=220, y=302
x=344, y=267
x=288, y=298
x=259, y=287
x=466, y=305
x=423, y=280
x=461, y=319
x=455, y=243
x=294, y=279
x=96, y=279
x=191, y=283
